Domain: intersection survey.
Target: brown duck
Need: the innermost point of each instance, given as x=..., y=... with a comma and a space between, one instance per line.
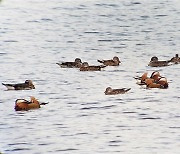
x=85, y=67
x=27, y=85
x=154, y=62
x=76, y=64
x=112, y=62
x=110, y=91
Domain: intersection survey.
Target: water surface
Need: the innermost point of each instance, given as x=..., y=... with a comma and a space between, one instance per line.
x=79, y=118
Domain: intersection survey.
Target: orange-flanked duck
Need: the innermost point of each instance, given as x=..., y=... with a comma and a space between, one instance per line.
x=76, y=64
x=112, y=62
x=25, y=105
x=151, y=84
x=154, y=77
x=161, y=83
x=154, y=81
x=154, y=62
x=110, y=91
x=27, y=85
x=85, y=67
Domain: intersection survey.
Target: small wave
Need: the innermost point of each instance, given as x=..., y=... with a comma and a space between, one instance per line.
x=150, y=118
x=46, y=19
x=175, y=127
x=115, y=141
x=135, y=3
x=161, y=15
x=128, y=112
x=104, y=107
x=10, y=41
x=91, y=32
x=69, y=149
x=19, y=149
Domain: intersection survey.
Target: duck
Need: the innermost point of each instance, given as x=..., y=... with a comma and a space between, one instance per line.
x=151, y=84
x=25, y=105
x=112, y=62
x=161, y=83
x=27, y=85
x=176, y=59
x=154, y=77
x=76, y=64
x=154, y=62
x=110, y=91
x=85, y=67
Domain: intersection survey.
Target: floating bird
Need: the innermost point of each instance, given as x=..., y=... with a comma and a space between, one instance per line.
x=112, y=62
x=176, y=59
x=154, y=77
x=154, y=62
x=27, y=85
x=110, y=91
x=25, y=105
x=151, y=84
x=76, y=64
x=161, y=83
x=85, y=67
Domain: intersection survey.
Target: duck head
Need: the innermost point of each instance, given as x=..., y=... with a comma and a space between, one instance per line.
x=34, y=100
x=30, y=84
x=108, y=90
x=85, y=64
x=78, y=60
x=155, y=75
x=154, y=59
x=116, y=59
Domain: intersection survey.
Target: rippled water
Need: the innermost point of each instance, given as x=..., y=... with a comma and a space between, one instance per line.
x=79, y=118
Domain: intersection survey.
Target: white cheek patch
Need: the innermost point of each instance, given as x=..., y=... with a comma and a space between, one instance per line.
x=20, y=101
x=163, y=79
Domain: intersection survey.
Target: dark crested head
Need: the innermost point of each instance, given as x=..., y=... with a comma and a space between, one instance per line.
x=108, y=89
x=85, y=64
x=78, y=60
x=155, y=73
x=154, y=58
x=176, y=55
x=30, y=83
x=115, y=58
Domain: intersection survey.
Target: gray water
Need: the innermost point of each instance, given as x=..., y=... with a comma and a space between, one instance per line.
x=79, y=118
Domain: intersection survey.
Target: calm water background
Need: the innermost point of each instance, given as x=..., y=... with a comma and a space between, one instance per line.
x=79, y=118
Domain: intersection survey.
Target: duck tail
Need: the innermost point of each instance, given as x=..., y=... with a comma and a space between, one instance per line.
x=43, y=103
x=127, y=89
x=4, y=84
x=100, y=61
x=58, y=64
x=137, y=77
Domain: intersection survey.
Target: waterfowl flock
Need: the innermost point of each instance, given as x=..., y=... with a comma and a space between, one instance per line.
x=155, y=80
x=155, y=62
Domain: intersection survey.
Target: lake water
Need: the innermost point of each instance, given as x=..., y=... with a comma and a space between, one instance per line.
x=79, y=118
